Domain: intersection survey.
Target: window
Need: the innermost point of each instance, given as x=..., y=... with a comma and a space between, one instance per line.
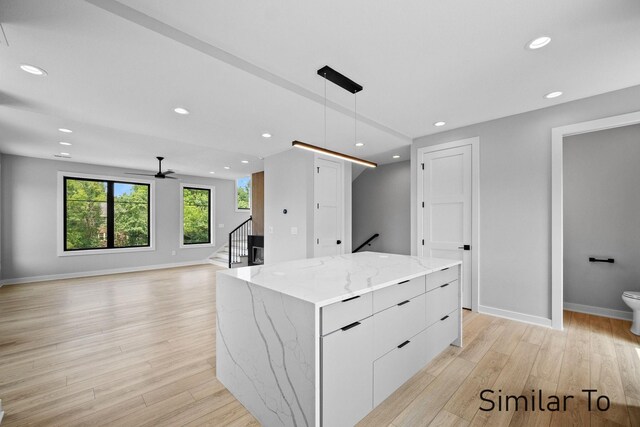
x=243, y=194
x=104, y=214
x=197, y=214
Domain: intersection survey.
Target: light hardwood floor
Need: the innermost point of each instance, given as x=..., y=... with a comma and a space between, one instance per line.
x=139, y=349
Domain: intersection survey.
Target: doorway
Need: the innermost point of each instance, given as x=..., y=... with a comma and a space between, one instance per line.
x=557, y=212
x=328, y=208
x=448, y=209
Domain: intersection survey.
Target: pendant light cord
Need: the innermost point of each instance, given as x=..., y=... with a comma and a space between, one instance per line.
x=325, y=110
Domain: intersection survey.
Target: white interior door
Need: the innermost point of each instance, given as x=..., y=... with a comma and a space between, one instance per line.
x=329, y=208
x=446, y=212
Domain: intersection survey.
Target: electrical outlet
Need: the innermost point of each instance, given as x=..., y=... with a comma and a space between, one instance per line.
x=294, y=230
x=173, y=253
x=220, y=225
x=270, y=230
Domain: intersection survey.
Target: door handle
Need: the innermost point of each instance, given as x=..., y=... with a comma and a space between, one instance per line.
x=465, y=247
x=339, y=241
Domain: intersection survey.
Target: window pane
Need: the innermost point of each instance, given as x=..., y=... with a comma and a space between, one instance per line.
x=196, y=212
x=243, y=188
x=86, y=214
x=131, y=214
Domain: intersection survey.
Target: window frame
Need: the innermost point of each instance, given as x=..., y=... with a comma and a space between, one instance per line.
x=62, y=243
x=235, y=194
x=212, y=211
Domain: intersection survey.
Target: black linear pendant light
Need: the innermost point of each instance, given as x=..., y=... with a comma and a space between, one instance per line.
x=349, y=85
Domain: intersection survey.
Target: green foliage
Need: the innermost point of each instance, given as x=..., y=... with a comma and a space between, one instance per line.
x=244, y=189
x=196, y=205
x=131, y=215
x=86, y=214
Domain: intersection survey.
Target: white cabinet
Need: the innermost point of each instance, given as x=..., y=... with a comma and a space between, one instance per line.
x=347, y=377
x=372, y=344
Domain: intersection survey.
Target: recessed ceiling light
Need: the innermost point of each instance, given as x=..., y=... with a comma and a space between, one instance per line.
x=64, y=143
x=439, y=124
x=244, y=161
x=539, y=42
x=359, y=144
x=212, y=172
x=65, y=154
x=181, y=110
x=65, y=130
x=553, y=95
x=266, y=135
x=32, y=69
x=227, y=167
x=396, y=156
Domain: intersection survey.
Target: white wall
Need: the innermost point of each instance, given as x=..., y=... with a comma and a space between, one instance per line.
x=601, y=204
x=29, y=218
x=288, y=184
x=381, y=203
x=515, y=197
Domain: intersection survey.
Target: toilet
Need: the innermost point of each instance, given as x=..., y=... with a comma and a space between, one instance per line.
x=632, y=299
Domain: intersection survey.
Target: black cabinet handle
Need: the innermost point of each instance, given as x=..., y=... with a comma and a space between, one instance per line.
x=609, y=260
x=444, y=269
x=404, y=281
x=445, y=285
x=349, y=299
x=404, y=302
x=353, y=325
x=404, y=343
x=445, y=317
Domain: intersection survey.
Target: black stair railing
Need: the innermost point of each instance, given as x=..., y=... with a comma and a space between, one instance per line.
x=239, y=242
x=368, y=242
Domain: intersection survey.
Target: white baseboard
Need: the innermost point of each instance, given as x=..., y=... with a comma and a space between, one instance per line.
x=513, y=315
x=62, y=276
x=599, y=311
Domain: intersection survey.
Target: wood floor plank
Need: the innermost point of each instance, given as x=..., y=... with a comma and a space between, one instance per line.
x=139, y=349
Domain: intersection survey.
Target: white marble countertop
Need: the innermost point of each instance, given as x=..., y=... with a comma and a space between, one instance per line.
x=323, y=281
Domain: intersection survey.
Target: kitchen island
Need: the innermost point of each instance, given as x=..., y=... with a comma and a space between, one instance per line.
x=322, y=341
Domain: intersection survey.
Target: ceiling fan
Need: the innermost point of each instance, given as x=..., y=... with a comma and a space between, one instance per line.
x=160, y=174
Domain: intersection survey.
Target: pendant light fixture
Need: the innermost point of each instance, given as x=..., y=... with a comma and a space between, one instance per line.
x=349, y=85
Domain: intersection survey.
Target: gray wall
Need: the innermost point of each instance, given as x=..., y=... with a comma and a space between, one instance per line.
x=381, y=203
x=515, y=197
x=30, y=215
x=289, y=184
x=601, y=216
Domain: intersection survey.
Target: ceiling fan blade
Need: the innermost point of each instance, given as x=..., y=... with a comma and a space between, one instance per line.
x=140, y=174
x=169, y=177
x=168, y=172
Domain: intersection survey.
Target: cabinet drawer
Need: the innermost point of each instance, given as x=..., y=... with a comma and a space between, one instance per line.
x=347, y=377
x=441, y=334
x=343, y=313
x=441, y=301
x=397, y=324
x=396, y=367
x=394, y=294
x=441, y=277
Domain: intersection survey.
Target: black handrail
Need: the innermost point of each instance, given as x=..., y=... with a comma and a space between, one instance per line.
x=242, y=231
x=368, y=242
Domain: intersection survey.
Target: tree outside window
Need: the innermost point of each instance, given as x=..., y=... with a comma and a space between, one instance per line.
x=102, y=214
x=243, y=193
x=196, y=214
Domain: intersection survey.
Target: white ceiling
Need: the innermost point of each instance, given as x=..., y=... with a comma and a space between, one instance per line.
x=117, y=70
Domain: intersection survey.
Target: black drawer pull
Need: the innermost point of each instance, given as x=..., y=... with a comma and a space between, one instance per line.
x=444, y=269
x=445, y=285
x=404, y=343
x=353, y=325
x=445, y=317
x=404, y=281
x=404, y=302
x=349, y=299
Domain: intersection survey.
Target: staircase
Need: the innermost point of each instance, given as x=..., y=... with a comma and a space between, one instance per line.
x=235, y=252
x=221, y=256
